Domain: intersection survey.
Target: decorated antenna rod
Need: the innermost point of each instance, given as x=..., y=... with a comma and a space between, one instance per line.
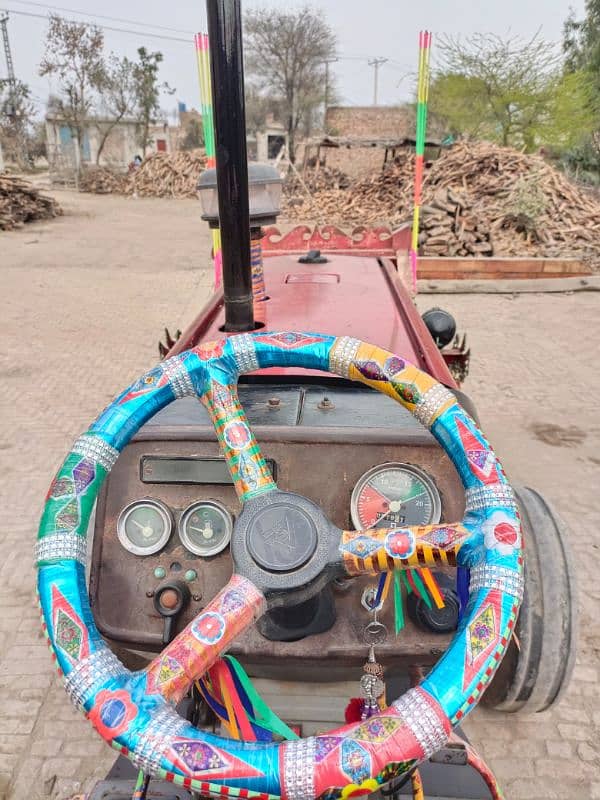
x=203, y=58
x=422, y=97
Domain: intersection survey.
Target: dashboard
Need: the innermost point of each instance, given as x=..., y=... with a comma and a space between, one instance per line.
x=166, y=512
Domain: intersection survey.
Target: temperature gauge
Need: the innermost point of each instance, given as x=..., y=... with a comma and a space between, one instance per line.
x=205, y=528
x=144, y=527
x=395, y=495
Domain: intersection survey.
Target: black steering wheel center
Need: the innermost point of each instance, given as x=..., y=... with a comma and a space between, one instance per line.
x=286, y=546
x=281, y=537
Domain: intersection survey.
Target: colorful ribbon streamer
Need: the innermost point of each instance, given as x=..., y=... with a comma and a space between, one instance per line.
x=203, y=58
x=422, y=97
x=229, y=692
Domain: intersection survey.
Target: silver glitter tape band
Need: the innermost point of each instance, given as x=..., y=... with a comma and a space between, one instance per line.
x=96, y=449
x=60, y=545
x=244, y=352
x=342, y=354
x=490, y=496
x=299, y=769
x=156, y=739
x=417, y=713
x=491, y=576
x=178, y=376
x=430, y=403
x=89, y=674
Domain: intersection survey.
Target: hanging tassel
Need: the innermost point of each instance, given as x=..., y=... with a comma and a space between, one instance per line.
x=463, y=579
x=432, y=586
x=398, y=604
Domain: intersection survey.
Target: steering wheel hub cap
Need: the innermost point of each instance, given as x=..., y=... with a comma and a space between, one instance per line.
x=281, y=537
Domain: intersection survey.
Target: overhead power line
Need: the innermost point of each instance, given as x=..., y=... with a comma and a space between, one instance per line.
x=108, y=27
x=102, y=16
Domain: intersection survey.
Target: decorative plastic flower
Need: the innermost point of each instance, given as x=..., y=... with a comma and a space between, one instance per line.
x=400, y=543
x=209, y=627
x=112, y=712
x=360, y=790
x=501, y=533
x=208, y=350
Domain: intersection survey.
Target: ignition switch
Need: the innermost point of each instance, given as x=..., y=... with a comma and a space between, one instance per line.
x=169, y=600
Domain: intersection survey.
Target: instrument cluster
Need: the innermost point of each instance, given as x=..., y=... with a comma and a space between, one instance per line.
x=145, y=526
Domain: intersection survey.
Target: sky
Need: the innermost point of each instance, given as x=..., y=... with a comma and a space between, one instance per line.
x=364, y=30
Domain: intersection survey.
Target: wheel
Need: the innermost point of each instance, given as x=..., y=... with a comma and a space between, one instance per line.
x=536, y=671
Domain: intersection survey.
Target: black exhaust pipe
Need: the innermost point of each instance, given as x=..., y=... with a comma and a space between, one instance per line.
x=229, y=109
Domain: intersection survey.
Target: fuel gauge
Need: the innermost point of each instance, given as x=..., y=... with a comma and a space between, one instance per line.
x=205, y=528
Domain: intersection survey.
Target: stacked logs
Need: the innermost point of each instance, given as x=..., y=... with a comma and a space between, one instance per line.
x=167, y=175
x=450, y=228
x=20, y=202
x=480, y=199
x=100, y=180
x=159, y=175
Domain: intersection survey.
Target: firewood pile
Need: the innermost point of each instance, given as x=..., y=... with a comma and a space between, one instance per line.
x=479, y=199
x=167, y=175
x=20, y=202
x=159, y=175
x=314, y=180
x=100, y=180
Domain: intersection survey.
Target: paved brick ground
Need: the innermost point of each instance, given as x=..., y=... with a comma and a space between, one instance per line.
x=84, y=300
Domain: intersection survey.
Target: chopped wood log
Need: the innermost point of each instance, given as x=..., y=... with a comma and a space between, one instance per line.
x=21, y=202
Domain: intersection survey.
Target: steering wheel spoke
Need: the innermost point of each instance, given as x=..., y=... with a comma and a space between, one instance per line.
x=200, y=644
x=368, y=552
x=249, y=470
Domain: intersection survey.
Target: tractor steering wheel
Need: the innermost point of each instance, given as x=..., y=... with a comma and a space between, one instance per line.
x=134, y=710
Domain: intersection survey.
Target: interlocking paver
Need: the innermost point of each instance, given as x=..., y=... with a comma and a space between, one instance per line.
x=84, y=300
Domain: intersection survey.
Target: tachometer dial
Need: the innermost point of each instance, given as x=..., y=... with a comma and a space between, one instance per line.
x=144, y=527
x=394, y=495
x=205, y=528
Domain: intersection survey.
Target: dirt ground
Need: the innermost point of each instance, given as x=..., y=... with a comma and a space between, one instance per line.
x=84, y=302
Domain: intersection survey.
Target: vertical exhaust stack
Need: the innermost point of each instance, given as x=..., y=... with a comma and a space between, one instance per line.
x=227, y=70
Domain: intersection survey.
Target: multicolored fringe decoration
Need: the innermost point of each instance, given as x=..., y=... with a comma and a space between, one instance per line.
x=421, y=581
x=422, y=96
x=203, y=58
x=228, y=691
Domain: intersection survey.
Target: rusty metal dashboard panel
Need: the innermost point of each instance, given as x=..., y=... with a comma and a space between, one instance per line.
x=320, y=440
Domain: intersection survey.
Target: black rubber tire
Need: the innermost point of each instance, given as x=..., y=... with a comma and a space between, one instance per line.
x=535, y=673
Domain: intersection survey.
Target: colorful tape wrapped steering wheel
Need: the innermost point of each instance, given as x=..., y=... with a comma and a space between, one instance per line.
x=134, y=711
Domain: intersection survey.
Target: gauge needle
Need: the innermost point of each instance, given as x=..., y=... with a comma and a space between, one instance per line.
x=206, y=532
x=145, y=529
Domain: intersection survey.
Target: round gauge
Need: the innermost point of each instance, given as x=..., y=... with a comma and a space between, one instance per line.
x=144, y=527
x=205, y=528
x=395, y=495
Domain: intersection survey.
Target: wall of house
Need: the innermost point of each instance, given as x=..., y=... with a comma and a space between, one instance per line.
x=370, y=122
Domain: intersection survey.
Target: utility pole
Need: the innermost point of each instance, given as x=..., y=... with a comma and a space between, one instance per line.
x=11, y=106
x=376, y=63
x=327, y=62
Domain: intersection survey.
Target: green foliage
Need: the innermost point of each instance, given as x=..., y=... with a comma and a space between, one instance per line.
x=74, y=56
x=194, y=136
x=147, y=92
x=16, y=113
x=498, y=88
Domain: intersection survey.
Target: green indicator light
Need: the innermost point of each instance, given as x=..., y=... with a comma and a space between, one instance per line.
x=159, y=572
x=191, y=575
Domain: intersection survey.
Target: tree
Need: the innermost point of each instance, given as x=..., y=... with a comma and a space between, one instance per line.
x=74, y=55
x=147, y=92
x=508, y=84
x=286, y=54
x=581, y=42
x=194, y=135
x=16, y=112
x=118, y=97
